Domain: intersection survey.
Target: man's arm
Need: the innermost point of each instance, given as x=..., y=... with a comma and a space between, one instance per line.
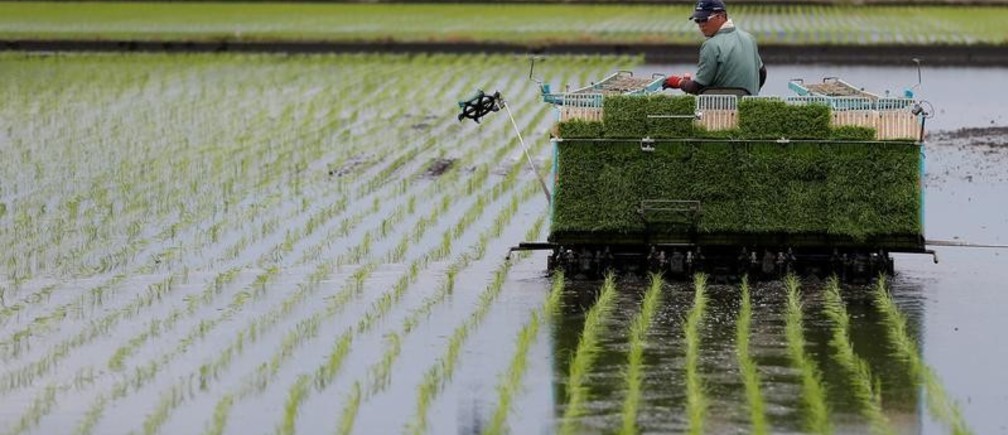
x=762, y=75
x=690, y=86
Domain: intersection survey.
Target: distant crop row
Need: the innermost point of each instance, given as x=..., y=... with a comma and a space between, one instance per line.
x=538, y=23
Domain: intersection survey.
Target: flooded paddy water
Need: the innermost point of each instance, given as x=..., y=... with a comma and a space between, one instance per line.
x=256, y=244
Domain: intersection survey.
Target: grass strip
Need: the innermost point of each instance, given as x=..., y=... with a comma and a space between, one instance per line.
x=747, y=367
x=635, y=359
x=527, y=23
x=814, y=408
x=942, y=407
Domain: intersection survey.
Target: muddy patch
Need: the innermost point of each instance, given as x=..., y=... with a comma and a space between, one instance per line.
x=438, y=167
x=987, y=136
x=972, y=155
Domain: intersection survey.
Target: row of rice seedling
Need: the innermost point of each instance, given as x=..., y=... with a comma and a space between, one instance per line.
x=156, y=327
x=813, y=409
x=258, y=177
x=866, y=387
x=380, y=372
x=510, y=382
x=252, y=333
x=585, y=355
x=24, y=376
x=813, y=393
x=379, y=308
x=943, y=408
x=139, y=196
x=96, y=293
x=386, y=223
x=635, y=358
x=436, y=376
x=696, y=400
x=747, y=366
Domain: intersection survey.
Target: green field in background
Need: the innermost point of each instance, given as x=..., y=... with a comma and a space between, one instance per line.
x=530, y=24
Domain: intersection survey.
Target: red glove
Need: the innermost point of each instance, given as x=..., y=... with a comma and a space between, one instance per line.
x=672, y=82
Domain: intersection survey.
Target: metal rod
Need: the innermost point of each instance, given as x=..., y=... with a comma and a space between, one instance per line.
x=962, y=244
x=542, y=182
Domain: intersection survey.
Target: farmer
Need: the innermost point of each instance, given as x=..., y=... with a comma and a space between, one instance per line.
x=728, y=58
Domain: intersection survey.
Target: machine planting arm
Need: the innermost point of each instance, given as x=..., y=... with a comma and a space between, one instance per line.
x=482, y=104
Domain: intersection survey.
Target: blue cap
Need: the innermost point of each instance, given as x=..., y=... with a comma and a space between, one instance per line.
x=704, y=8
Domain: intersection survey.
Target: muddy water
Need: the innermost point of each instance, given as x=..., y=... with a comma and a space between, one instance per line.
x=954, y=309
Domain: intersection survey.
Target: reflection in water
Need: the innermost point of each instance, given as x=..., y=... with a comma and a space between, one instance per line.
x=663, y=403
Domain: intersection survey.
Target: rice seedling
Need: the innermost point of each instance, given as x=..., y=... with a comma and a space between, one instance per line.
x=635, y=358
x=747, y=367
x=585, y=354
x=39, y=407
x=93, y=414
x=866, y=388
x=294, y=398
x=939, y=404
x=220, y=416
x=349, y=413
x=556, y=292
x=816, y=412
x=169, y=400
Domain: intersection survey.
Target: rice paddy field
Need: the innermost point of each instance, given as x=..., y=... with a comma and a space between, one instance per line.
x=314, y=244
x=517, y=23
